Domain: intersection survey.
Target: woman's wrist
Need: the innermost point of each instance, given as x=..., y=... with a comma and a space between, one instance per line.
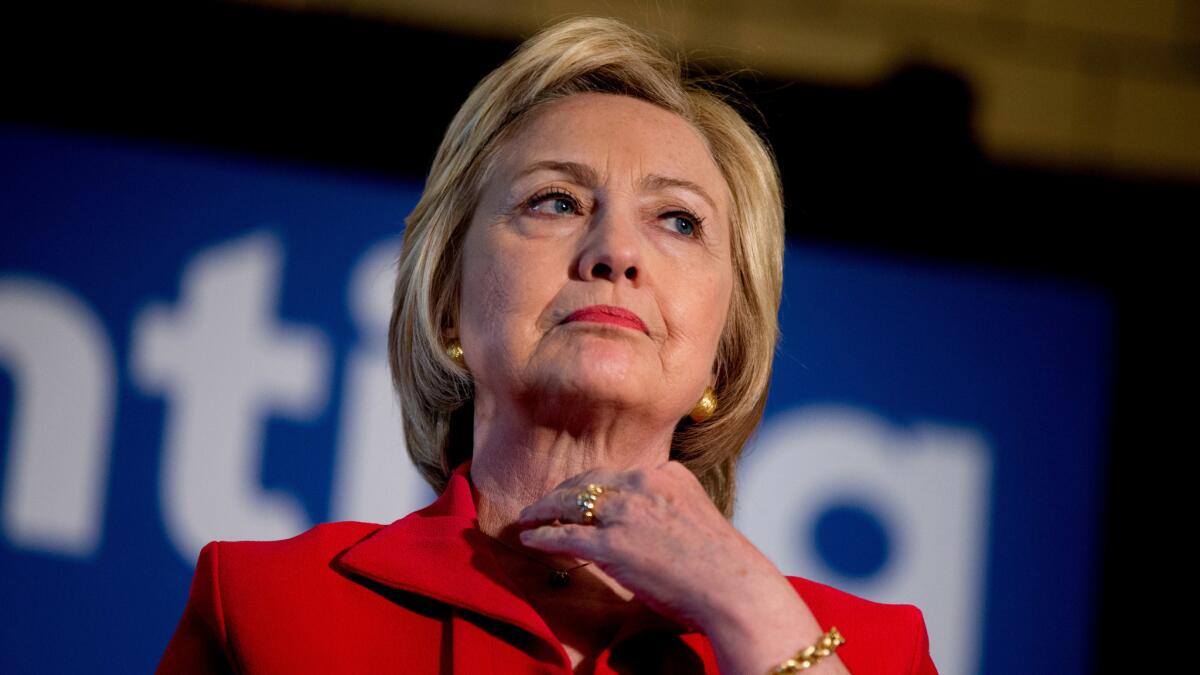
x=762, y=627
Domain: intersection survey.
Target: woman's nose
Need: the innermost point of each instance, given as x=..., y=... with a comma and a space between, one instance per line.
x=611, y=249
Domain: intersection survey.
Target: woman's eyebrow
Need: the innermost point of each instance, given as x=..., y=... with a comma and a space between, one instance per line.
x=655, y=182
x=586, y=175
x=580, y=173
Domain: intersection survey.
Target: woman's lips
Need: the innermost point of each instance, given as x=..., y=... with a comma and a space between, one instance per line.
x=617, y=316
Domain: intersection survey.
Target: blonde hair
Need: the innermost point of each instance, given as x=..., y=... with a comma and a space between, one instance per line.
x=576, y=56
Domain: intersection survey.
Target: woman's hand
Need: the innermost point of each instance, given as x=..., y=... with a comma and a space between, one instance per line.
x=657, y=534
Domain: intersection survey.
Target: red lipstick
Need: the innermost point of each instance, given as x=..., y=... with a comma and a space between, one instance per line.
x=617, y=316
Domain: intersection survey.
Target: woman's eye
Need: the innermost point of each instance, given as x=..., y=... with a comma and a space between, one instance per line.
x=685, y=224
x=555, y=203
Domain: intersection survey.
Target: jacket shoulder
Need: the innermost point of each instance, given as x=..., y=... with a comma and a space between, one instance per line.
x=880, y=637
x=248, y=569
x=288, y=606
x=319, y=541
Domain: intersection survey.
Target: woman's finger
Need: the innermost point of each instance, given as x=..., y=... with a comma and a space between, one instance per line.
x=579, y=541
x=567, y=505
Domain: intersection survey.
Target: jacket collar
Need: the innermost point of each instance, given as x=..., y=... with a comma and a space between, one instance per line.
x=439, y=552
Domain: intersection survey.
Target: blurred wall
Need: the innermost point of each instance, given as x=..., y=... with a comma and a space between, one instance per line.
x=1102, y=84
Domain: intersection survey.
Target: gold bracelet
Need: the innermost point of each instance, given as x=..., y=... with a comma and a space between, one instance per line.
x=810, y=656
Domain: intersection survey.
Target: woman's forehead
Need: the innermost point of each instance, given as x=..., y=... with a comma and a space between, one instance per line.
x=591, y=137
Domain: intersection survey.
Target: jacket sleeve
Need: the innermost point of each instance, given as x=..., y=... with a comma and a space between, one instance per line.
x=922, y=662
x=201, y=643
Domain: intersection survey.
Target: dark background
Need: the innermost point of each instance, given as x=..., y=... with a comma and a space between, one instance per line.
x=891, y=167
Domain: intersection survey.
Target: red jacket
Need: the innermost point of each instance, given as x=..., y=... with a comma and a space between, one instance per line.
x=417, y=597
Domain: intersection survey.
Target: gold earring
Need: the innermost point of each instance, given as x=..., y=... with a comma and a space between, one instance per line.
x=455, y=351
x=705, y=407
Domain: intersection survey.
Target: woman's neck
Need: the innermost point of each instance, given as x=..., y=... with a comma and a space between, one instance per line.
x=516, y=462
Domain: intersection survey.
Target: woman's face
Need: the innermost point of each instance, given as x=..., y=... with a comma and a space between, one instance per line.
x=596, y=267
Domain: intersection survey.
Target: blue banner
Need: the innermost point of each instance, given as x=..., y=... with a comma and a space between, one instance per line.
x=192, y=347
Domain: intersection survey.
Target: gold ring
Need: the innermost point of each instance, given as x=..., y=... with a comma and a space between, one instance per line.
x=586, y=501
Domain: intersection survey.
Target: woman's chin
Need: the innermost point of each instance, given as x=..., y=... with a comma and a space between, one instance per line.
x=604, y=375
x=609, y=368
x=599, y=381
x=604, y=352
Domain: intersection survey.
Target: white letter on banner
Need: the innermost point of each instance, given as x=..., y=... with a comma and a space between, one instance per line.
x=374, y=480
x=64, y=379
x=225, y=365
x=929, y=485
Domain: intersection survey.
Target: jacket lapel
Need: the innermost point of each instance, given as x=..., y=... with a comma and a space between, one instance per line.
x=438, y=552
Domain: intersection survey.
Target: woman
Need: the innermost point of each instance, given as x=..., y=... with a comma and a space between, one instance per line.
x=581, y=339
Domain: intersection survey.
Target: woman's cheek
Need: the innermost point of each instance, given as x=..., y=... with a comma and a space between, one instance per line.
x=497, y=294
